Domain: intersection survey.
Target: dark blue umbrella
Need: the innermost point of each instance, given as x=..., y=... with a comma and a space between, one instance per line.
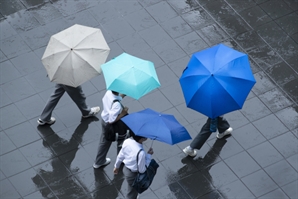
x=156, y=126
x=217, y=80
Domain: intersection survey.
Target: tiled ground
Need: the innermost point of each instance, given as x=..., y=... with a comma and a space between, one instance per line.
x=260, y=159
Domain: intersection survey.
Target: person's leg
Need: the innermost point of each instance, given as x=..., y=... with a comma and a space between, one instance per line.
x=199, y=140
x=52, y=102
x=79, y=98
x=202, y=137
x=103, y=149
x=222, y=124
x=130, y=177
x=223, y=127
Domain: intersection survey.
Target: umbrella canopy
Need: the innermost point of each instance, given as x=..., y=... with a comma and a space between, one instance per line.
x=156, y=126
x=74, y=55
x=130, y=75
x=217, y=80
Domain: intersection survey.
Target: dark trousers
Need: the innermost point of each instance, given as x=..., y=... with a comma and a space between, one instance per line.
x=104, y=146
x=202, y=137
x=76, y=94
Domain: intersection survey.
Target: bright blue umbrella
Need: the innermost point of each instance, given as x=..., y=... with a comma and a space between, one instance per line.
x=217, y=80
x=156, y=126
x=130, y=75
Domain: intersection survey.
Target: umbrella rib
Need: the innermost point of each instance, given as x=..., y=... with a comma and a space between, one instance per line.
x=61, y=43
x=85, y=38
x=202, y=82
x=144, y=123
x=228, y=91
x=227, y=63
x=63, y=51
x=60, y=63
x=84, y=60
x=142, y=126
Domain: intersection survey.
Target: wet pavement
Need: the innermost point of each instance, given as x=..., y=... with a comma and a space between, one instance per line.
x=259, y=160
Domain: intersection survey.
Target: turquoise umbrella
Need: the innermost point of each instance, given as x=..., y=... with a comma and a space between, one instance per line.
x=130, y=75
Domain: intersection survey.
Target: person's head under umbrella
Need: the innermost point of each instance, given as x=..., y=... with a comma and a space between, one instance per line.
x=139, y=139
x=117, y=94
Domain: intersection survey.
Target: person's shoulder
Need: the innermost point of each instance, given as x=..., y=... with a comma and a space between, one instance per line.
x=129, y=140
x=128, y=143
x=108, y=93
x=116, y=103
x=116, y=100
x=142, y=153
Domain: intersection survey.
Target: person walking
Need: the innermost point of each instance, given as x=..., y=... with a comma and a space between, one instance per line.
x=112, y=112
x=128, y=156
x=211, y=125
x=76, y=94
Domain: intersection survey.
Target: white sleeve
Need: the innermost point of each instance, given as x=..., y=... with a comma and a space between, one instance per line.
x=114, y=112
x=119, y=159
x=142, y=161
x=148, y=159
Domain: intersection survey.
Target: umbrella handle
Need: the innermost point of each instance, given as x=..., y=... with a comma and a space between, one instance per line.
x=152, y=142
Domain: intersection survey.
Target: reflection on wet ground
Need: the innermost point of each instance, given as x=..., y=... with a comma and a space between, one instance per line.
x=259, y=160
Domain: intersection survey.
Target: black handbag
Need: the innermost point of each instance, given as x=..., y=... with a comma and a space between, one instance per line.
x=118, y=130
x=143, y=180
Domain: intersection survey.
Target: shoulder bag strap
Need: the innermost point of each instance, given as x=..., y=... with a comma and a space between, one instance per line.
x=138, y=159
x=116, y=100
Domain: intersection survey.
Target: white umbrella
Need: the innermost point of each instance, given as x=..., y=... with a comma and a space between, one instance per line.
x=74, y=55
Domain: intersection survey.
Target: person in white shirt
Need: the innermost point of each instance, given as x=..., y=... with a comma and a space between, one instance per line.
x=128, y=155
x=112, y=112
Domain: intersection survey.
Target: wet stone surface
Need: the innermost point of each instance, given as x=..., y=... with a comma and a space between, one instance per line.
x=259, y=159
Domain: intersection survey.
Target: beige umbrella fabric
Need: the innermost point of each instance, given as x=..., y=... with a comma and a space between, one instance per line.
x=75, y=55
